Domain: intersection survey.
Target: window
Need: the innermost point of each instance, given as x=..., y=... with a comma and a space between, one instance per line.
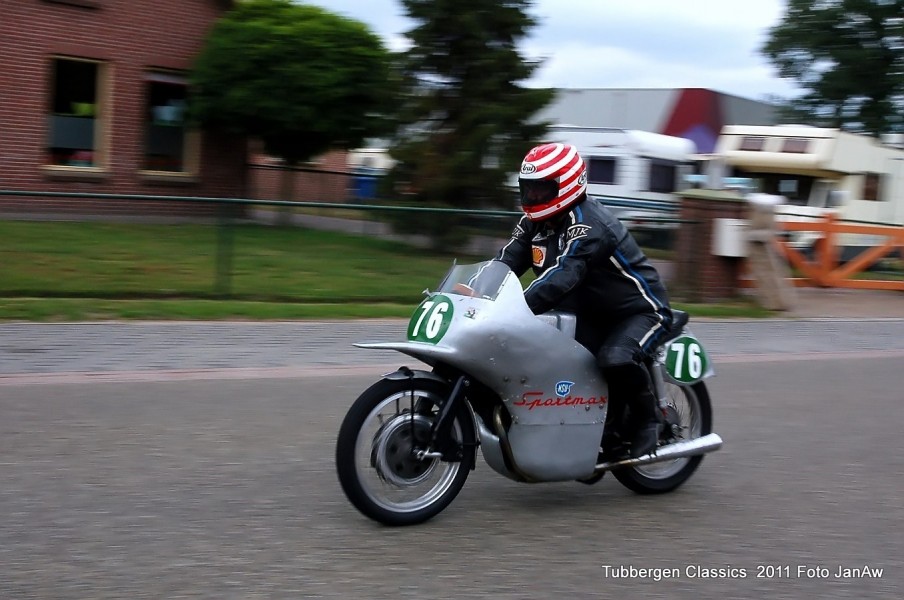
x=752, y=143
x=796, y=145
x=662, y=176
x=75, y=129
x=871, y=185
x=601, y=170
x=795, y=188
x=788, y=187
x=169, y=146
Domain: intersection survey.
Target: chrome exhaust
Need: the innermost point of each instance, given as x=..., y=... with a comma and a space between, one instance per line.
x=701, y=445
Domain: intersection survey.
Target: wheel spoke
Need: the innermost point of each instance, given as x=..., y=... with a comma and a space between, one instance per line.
x=385, y=462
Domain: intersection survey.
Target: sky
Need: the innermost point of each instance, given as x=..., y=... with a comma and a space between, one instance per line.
x=628, y=43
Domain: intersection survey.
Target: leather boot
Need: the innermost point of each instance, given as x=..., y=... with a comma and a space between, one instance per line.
x=647, y=422
x=645, y=439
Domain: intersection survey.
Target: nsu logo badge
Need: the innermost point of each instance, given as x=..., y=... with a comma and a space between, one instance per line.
x=563, y=388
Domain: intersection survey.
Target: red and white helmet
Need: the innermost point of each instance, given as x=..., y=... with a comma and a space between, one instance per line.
x=552, y=179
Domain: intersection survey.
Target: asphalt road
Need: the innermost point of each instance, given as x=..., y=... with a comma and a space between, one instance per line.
x=186, y=484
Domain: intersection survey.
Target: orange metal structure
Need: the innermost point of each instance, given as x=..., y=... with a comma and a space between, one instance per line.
x=825, y=269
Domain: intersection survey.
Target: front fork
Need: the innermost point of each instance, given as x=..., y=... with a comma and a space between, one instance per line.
x=656, y=368
x=441, y=444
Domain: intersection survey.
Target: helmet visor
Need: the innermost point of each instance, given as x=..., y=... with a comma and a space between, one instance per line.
x=535, y=192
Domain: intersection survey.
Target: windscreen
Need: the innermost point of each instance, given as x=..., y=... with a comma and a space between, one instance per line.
x=481, y=280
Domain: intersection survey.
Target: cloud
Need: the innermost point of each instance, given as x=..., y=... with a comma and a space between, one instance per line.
x=581, y=66
x=645, y=43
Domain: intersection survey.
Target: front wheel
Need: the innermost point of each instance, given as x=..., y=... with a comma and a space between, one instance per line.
x=689, y=415
x=376, y=458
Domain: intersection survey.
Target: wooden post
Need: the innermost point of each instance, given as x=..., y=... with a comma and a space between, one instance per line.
x=767, y=267
x=828, y=259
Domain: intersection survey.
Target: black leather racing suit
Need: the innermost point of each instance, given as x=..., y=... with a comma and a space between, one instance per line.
x=588, y=263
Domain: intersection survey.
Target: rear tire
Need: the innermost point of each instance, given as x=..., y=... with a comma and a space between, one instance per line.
x=694, y=410
x=376, y=469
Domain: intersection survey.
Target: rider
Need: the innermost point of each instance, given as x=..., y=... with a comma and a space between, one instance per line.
x=588, y=263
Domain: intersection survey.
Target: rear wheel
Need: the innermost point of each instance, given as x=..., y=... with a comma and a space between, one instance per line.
x=688, y=416
x=376, y=458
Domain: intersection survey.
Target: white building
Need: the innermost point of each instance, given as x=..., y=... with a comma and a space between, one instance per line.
x=696, y=114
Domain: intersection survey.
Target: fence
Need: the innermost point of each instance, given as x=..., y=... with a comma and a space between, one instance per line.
x=235, y=230
x=243, y=256
x=825, y=268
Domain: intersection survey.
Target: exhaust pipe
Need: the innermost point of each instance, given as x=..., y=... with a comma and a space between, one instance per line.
x=701, y=445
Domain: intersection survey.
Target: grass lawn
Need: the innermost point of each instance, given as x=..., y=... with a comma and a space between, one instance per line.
x=53, y=271
x=117, y=261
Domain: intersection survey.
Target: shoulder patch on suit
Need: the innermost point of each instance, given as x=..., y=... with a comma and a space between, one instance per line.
x=538, y=254
x=576, y=232
x=518, y=231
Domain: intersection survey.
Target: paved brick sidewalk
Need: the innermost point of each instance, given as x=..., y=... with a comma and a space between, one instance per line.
x=838, y=302
x=37, y=348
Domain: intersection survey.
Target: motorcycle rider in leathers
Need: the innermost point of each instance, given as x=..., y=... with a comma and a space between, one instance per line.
x=588, y=263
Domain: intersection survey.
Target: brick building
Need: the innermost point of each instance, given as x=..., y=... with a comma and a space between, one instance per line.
x=326, y=178
x=92, y=96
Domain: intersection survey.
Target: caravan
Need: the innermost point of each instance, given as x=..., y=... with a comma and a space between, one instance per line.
x=635, y=173
x=819, y=169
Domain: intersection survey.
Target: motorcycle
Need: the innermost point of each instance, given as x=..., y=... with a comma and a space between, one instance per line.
x=523, y=390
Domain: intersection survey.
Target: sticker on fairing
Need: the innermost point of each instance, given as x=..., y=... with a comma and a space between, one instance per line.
x=685, y=360
x=563, y=388
x=431, y=320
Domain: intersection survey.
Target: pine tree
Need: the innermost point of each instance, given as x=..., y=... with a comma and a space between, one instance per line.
x=466, y=118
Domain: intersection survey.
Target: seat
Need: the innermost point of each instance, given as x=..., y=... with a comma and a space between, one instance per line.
x=679, y=320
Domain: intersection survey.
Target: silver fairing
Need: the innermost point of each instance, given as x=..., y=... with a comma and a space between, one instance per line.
x=549, y=383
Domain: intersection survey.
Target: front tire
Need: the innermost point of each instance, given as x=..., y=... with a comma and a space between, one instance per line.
x=693, y=417
x=376, y=468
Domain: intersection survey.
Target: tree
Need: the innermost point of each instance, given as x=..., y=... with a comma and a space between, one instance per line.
x=466, y=122
x=301, y=79
x=848, y=58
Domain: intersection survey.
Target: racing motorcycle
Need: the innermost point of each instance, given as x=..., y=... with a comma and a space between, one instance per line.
x=523, y=390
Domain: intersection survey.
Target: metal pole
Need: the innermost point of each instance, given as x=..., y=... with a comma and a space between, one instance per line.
x=225, y=250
